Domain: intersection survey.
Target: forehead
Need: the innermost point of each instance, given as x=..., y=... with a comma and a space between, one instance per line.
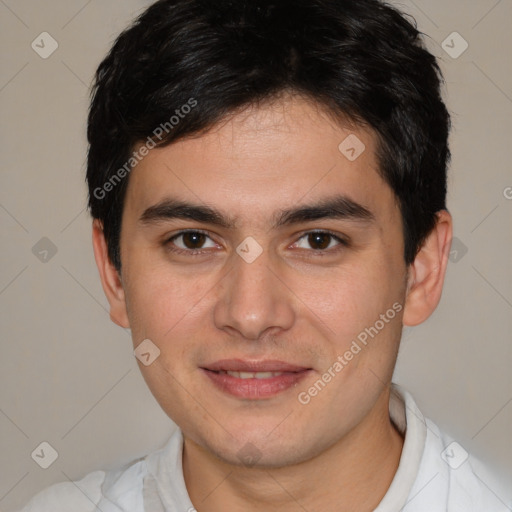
x=279, y=153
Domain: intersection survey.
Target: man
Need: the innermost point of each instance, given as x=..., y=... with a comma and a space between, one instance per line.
x=267, y=182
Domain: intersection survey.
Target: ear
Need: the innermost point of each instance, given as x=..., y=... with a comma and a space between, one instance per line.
x=110, y=279
x=427, y=272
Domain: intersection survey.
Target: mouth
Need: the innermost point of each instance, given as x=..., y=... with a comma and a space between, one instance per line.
x=254, y=380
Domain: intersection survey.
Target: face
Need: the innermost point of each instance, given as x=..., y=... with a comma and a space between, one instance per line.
x=232, y=263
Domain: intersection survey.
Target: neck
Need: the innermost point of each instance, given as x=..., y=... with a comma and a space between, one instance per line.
x=353, y=474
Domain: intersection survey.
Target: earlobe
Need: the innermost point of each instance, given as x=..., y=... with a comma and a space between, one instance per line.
x=110, y=279
x=427, y=272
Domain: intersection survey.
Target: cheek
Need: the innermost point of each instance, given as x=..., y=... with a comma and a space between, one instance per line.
x=159, y=303
x=350, y=300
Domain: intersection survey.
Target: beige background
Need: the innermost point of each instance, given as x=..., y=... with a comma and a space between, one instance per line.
x=68, y=375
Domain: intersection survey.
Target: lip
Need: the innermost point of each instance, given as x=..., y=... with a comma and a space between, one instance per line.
x=254, y=388
x=247, y=365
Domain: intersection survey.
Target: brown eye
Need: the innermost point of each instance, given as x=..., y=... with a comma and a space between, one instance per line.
x=190, y=241
x=319, y=240
x=193, y=240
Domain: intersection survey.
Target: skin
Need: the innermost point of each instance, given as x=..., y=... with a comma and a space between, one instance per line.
x=294, y=303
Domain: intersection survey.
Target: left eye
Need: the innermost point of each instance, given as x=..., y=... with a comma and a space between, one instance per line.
x=321, y=240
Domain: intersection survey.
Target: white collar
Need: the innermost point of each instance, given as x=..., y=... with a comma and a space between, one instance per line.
x=409, y=421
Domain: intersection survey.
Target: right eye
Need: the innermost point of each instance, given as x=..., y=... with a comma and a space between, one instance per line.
x=189, y=242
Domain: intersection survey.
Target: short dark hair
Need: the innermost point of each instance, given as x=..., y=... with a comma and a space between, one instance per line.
x=361, y=60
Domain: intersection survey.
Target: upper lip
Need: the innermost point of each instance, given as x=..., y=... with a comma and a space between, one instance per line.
x=241, y=365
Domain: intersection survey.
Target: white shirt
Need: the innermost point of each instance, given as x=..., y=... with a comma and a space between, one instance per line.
x=435, y=474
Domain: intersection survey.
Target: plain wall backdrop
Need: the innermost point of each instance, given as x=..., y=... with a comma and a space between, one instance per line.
x=68, y=375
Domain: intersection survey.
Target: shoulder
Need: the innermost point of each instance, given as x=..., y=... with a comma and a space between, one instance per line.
x=463, y=481
x=116, y=490
x=436, y=472
x=78, y=496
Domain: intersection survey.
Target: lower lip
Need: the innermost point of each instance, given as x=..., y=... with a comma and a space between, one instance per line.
x=254, y=389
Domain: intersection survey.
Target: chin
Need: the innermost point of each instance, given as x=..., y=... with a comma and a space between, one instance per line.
x=255, y=448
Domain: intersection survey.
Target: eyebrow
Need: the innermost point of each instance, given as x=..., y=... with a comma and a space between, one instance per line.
x=337, y=207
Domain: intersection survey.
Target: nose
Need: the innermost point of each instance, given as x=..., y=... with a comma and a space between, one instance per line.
x=253, y=298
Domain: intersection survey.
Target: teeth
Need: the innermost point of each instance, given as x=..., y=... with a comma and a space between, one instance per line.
x=252, y=375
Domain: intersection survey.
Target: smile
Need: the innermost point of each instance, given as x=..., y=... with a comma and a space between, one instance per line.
x=254, y=380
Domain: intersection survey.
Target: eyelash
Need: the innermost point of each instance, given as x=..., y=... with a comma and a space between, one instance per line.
x=198, y=252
